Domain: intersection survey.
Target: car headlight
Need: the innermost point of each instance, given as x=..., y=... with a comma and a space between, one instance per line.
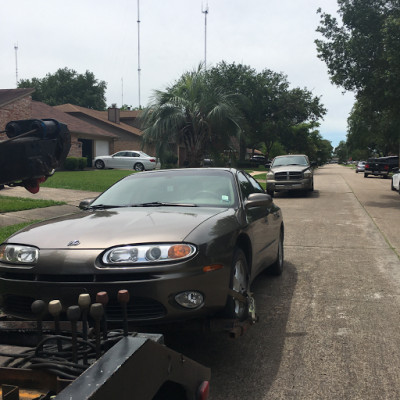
x=307, y=174
x=149, y=253
x=270, y=175
x=19, y=254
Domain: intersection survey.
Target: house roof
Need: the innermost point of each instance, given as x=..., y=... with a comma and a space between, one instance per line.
x=98, y=115
x=75, y=125
x=10, y=95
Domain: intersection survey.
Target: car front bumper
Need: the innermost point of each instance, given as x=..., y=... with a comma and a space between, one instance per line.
x=277, y=186
x=152, y=295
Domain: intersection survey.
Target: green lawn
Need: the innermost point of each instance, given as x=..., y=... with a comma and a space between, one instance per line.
x=92, y=180
x=8, y=203
x=7, y=231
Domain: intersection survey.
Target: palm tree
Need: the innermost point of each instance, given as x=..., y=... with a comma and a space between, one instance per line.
x=191, y=113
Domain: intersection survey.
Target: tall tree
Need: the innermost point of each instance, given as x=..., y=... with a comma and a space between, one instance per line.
x=363, y=55
x=270, y=108
x=192, y=113
x=67, y=86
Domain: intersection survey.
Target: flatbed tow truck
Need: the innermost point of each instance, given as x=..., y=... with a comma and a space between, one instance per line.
x=76, y=355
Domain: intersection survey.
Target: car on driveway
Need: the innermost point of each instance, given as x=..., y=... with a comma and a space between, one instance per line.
x=185, y=243
x=292, y=172
x=127, y=159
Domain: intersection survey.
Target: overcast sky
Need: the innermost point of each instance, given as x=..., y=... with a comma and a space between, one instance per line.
x=102, y=36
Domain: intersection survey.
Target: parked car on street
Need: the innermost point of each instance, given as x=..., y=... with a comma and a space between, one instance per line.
x=360, y=167
x=186, y=243
x=396, y=180
x=290, y=172
x=381, y=166
x=127, y=159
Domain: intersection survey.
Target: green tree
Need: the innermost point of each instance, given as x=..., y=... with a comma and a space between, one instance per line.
x=341, y=151
x=363, y=55
x=67, y=86
x=270, y=109
x=192, y=113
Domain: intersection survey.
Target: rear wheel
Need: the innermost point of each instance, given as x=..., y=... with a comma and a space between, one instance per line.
x=99, y=164
x=365, y=175
x=238, y=308
x=277, y=267
x=138, y=167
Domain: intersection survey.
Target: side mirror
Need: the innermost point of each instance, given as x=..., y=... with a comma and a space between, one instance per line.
x=395, y=169
x=267, y=165
x=84, y=204
x=258, y=200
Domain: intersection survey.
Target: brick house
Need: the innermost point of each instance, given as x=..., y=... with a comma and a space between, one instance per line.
x=93, y=132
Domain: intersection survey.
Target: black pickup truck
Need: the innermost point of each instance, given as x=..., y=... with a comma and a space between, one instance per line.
x=381, y=166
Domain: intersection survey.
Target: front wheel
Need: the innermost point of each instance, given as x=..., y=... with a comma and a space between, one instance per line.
x=236, y=307
x=277, y=267
x=138, y=167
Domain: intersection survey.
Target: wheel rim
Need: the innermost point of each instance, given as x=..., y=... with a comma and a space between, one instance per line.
x=239, y=284
x=139, y=167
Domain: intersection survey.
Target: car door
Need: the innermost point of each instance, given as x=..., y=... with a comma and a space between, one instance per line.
x=262, y=229
x=116, y=160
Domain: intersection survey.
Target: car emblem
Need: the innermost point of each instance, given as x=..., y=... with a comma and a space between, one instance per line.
x=74, y=243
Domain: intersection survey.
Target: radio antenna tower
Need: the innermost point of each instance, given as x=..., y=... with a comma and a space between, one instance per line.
x=16, y=63
x=139, y=70
x=205, y=12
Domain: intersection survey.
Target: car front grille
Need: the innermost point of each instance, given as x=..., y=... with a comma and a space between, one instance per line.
x=138, y=308
x=288, y=176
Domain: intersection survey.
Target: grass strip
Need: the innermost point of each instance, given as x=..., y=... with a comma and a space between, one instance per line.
x=7, y=231
x=9, y=203
x=91, y=180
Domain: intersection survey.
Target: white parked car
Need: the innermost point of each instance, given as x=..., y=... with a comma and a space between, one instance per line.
x=127, y=159
x=396, y=181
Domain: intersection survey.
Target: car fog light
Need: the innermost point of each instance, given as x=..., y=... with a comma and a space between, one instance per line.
x=190, y=299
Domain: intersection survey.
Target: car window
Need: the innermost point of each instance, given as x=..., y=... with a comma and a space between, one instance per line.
x=133, y=154
x=290, y=160
x=246, y=187
x=256, y=186
x=186, y=187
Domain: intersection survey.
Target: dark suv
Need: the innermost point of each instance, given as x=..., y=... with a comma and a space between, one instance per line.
x=381, y=166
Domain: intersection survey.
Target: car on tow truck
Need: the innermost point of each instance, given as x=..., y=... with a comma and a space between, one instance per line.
x=187, y=243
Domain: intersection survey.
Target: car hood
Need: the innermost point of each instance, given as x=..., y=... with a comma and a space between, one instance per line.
x=106, y=228
x=285, y=168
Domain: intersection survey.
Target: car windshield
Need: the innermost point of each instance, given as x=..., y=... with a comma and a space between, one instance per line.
x=290, y=160
x=191, y=188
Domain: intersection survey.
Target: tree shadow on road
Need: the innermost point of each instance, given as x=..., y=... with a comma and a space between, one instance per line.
x=245, y=367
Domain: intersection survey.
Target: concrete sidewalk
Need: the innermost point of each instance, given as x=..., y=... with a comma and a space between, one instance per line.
x=71, y=197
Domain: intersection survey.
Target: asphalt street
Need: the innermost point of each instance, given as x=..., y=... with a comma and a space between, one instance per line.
x=329, y=327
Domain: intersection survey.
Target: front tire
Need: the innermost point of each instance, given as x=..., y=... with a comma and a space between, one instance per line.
x=99, y=164
x=239, y=283
x=276, y=268
x=138, y=167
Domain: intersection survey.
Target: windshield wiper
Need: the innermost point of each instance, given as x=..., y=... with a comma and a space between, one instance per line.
x=160, y=204
x=102, y=207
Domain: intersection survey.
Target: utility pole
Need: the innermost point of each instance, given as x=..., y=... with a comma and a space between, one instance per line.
x=205, y=12
x=139, y=70
x=16, y=63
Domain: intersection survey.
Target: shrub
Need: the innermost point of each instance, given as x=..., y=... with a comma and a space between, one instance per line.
x=74, y=163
